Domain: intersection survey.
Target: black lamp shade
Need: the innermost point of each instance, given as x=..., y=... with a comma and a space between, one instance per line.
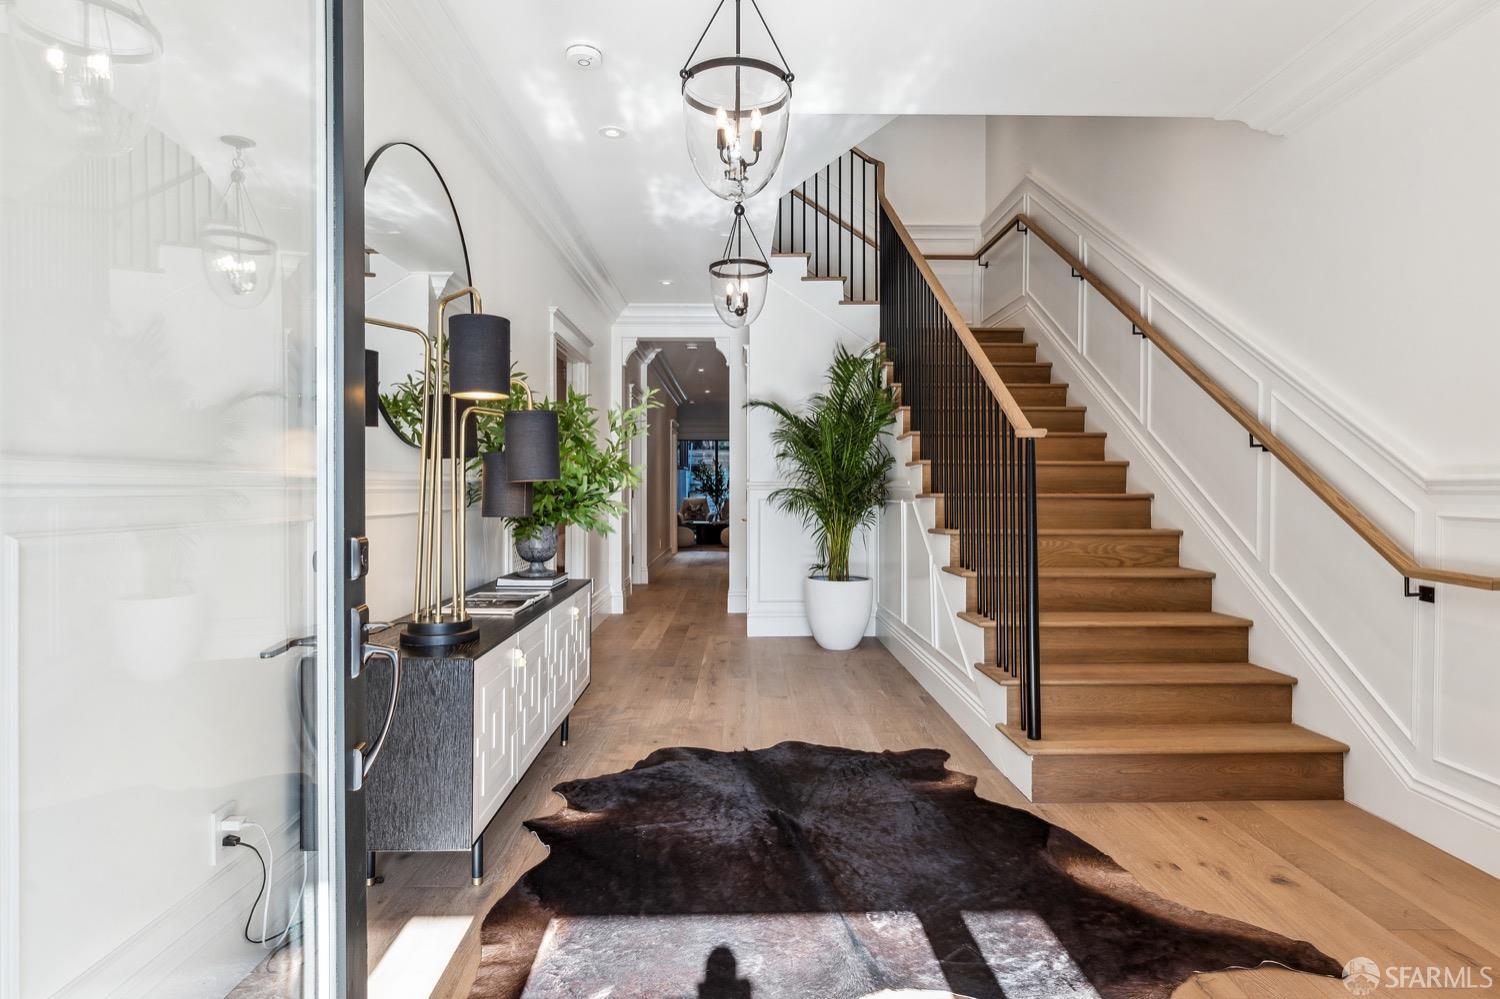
x=479, y=356
x=531, y=445
x=372, y=388
x=502, y=497
x=471, y=430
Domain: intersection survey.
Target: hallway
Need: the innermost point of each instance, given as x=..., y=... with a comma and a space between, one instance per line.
x=676, y=670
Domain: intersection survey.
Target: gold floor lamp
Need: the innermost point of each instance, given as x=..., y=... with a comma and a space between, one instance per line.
x=465, y=365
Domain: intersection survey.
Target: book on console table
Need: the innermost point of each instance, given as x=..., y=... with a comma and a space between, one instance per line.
x=520, y=581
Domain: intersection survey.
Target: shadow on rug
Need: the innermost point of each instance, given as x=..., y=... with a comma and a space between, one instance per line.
x=812, y=871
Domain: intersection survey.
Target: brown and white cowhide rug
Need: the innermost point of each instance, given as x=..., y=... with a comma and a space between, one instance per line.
x=810, y=871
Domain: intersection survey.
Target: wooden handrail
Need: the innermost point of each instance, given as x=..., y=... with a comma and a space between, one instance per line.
x=1386, y=546
x=992, y=379
x=798, y=195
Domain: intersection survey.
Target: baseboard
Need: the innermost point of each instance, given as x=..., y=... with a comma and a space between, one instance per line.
x=964, y=706
x=787, y=624
x=739, y=601
x=601, y=607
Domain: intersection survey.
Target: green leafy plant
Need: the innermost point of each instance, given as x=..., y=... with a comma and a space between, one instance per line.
x=834, y=457
x=593, y=472
x=712, y=480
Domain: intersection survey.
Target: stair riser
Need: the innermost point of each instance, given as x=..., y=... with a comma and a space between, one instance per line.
x=1085, y=551
x=1067, y=420
x=1190, y=594
x=1081, y=479
x=1010, y=352
x=1068, y=511
x=1187, y=777
x=1024, y=374
x=1145, y=644
x=986, y=337
x=1051, y=448
x=1039, y=395
x=1158, y=704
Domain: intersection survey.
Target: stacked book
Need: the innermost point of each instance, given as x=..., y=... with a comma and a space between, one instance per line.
x=520, y=582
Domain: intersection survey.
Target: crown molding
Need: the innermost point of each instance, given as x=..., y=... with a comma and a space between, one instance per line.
x=1362, y=48
x=671, y=314
x=450, y=71
x=669, y=379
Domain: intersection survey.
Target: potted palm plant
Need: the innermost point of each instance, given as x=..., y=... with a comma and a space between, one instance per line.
x=836, y=462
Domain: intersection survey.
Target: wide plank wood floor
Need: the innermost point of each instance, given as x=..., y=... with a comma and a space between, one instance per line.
x=677, y=670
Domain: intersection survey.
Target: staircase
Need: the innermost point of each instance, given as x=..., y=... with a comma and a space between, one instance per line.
x=1147, y=693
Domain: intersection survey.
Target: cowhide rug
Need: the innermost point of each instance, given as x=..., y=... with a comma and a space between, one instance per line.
x=811, y=871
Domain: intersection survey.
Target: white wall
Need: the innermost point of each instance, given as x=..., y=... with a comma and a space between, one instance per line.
x=791, y=345
x=1359, y=249
x=935, y=167
x=521, y=276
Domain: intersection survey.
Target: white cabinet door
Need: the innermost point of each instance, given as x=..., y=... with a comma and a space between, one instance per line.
x=582, y=638
x=495, y=747
x=531, y=674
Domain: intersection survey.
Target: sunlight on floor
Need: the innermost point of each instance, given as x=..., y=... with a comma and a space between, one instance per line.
x=417, y=958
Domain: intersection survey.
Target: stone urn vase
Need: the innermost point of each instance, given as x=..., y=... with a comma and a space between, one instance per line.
x=538, y=551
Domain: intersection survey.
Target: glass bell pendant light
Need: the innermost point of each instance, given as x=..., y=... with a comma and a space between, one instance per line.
x=238, y=258
x=94, y=67
x=737, y=282
x=736, y=109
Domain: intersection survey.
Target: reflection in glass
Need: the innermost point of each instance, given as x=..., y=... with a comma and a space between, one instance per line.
x=239, y=259
x=95, y=65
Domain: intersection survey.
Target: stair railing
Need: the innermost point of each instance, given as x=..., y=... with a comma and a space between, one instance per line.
x=832, y=218
x=978, y=447
x=1260, y=435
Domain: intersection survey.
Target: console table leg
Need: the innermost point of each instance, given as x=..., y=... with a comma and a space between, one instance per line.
x=476, y=861
x=562, y=732
x=371, y=878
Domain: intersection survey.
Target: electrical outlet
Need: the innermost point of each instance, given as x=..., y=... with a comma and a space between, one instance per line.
x=217, y=849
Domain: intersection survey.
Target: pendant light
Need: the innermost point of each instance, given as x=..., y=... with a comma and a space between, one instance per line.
x=95, y=63
x=736, y=110
x=737, y=282
x=239, y=259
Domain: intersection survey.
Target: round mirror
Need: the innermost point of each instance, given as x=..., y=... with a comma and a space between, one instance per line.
x=414, y=256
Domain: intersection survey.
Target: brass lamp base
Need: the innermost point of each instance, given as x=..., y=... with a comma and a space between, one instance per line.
x=438, y=634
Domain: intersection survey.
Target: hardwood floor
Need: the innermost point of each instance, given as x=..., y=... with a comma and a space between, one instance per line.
x=677, y=670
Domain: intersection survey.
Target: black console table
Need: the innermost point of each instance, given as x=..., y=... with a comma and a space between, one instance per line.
x=470, y=721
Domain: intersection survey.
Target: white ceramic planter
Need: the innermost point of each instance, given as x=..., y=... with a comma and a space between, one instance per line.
x=838, y=612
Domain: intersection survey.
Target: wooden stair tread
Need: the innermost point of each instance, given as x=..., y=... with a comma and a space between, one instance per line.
x=1082, y=462
x=1092, y=532
x=1126, y=572
x=1146, y=674
x=1141, y=619
x=1173, y=740
x=997, y=329
x=792, y=253
x=1096, y=496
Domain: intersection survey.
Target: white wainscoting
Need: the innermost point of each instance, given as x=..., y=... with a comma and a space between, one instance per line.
x=1413, y=687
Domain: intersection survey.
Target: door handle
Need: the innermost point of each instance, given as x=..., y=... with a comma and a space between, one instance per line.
x=363, y=757
x=287, y=645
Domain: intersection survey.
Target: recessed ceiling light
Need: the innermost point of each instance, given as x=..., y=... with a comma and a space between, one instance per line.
x=700, y=370
x=612, y=132
x=584, y=56
x=707, y=391
x=666, y=281
x=692, y=346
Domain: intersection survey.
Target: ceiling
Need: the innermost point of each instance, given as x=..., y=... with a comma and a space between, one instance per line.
x=701, y=371
x=635, y=200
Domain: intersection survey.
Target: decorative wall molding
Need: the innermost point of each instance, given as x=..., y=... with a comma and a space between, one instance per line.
x=443, y=58
x=1354, y=689
x=10, y=767
x=1365, y=46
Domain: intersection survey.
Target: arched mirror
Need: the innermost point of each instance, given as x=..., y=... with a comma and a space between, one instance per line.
x=414, y=255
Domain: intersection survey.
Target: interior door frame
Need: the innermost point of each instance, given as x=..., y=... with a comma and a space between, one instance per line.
x=340, y=947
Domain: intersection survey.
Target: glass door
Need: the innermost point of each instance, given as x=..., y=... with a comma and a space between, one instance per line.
x=178, y=491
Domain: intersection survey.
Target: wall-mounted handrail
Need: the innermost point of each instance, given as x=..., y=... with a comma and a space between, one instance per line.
x=1386, y=546
x=992, y=379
